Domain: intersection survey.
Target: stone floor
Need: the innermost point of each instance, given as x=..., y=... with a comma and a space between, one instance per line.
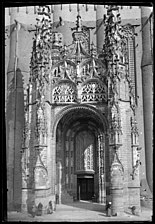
x=80, y=212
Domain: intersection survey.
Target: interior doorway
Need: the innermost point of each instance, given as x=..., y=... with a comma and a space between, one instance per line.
x=85, y=188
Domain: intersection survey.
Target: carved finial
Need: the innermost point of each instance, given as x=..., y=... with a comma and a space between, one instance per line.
x=93, y=50
x=92, y=45
x=115, y=158
x=78, y=22
x=64, y=51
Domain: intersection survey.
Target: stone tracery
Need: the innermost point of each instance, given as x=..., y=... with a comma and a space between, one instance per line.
x=79, y=76
x=64, y=93
x=94, y=92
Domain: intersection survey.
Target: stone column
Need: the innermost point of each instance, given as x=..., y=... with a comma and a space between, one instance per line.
x=101, y=168
x=99, y=172
x=52, y=165
x=147, y=85
x=102, y=174
x=59, y=181
x=117, y=186
x=14, y=122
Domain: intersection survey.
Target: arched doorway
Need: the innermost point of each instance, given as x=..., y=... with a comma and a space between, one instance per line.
x=80, y=149
x=85, y=164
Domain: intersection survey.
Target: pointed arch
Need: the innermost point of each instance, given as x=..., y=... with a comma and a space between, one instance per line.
x=90, y=111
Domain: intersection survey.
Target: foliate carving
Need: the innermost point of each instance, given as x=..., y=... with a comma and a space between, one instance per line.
x=81, y=34
x=128, y=31
x=41, y=124
x=46, y=35
x=81, y=37
x=77, y=66
x=115, y=126
x=116, y=52
x=46, y=51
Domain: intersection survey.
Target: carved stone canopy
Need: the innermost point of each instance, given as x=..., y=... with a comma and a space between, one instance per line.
x=116, y=166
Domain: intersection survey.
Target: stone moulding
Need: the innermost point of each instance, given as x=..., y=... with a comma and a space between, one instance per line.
x=70, y=108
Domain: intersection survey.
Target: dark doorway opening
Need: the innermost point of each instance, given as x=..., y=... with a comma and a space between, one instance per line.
x=85, y=188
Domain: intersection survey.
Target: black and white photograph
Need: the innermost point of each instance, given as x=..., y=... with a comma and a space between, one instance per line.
x=78, y=112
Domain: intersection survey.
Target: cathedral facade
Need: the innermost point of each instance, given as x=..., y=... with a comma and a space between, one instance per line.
x=72, y=112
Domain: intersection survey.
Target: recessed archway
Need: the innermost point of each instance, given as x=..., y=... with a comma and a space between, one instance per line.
x=80, y=149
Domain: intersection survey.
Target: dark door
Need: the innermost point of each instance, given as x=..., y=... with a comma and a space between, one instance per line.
x=85, y=188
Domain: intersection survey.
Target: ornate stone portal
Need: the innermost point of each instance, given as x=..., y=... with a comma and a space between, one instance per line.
x=78, y=108
x=79, y=149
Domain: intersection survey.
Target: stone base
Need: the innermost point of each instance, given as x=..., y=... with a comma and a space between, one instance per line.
x=134, y=199
x=27, y=200
x=31, y=199
x=45, y=202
